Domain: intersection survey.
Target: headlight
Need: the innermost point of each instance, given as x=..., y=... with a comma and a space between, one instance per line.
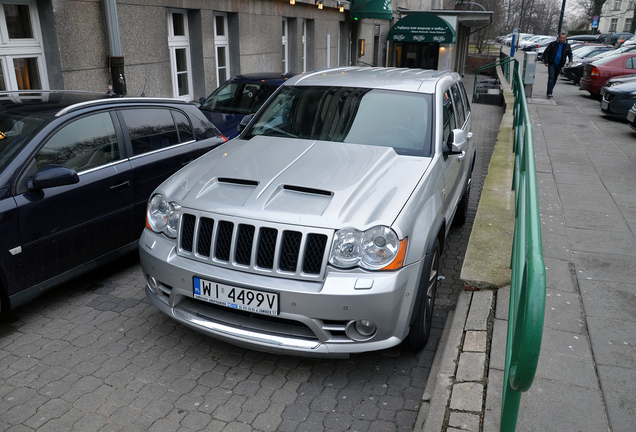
x=631, y=96
x=372, y=249
x=162, y=216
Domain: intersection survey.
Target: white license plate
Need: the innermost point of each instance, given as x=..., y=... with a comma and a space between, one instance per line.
x=604, y=105
x=630, y=116
x=236, y=298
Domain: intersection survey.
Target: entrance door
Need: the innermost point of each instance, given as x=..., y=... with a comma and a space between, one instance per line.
x=419, y=55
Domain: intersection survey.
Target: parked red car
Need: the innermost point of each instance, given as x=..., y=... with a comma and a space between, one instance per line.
x=597, y=73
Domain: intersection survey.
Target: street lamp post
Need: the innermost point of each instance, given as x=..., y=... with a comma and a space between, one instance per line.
x=561, y=18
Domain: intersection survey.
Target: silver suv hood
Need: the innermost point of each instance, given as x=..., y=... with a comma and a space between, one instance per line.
x=300, y=182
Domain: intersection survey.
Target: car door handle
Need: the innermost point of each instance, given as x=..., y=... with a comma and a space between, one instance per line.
x=120, y=187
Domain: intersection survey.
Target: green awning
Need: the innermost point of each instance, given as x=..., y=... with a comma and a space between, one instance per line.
x=422, y=27
x=379, y=9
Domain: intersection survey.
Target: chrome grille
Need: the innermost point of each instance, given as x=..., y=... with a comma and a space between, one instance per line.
x=255, y=246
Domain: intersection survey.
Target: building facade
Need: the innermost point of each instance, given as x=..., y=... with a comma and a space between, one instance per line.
x=186, y=48
x=163, y=48
x=617, y=16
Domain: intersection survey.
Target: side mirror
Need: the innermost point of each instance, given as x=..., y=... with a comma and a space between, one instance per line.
x=53, y=176
x=244, y=122
x=201, y=100
x=457, y=141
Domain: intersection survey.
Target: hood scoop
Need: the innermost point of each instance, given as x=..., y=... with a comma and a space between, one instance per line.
x=308, y=190
x=299, y=199
x=227, y=191
x=238, y=181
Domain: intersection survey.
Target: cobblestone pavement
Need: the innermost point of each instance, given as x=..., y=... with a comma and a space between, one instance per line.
x=95, y=355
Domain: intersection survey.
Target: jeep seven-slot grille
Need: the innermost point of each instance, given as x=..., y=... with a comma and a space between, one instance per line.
x=246, y=246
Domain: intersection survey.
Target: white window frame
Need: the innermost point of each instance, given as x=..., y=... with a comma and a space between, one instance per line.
x=613, y=25
x=285, y=40
x=304, y=43
x=175, y=43
x=222, y=41
x=21, y=48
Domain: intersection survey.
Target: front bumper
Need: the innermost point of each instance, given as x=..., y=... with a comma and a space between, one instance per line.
x=316, y=318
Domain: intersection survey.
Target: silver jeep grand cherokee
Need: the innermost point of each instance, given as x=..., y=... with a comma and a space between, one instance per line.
x=318, y=230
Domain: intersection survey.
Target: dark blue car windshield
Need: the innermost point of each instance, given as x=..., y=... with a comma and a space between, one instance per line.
x=15, y=131
x=239, y=97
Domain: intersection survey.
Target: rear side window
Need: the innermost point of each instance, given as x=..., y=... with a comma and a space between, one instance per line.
x=459, y=104
x=448, y=116
x=184, y=128
x=465, y=99
x=631, y=63
x=153, y=129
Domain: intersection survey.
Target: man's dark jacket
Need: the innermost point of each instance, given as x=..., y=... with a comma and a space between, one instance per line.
x=551, y=50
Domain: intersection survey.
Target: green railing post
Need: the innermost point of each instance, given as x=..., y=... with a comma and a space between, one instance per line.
x=527, y=287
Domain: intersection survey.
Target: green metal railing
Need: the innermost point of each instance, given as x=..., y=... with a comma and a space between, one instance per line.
x=527, y=287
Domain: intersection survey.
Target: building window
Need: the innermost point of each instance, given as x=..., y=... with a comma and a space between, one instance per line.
x=630, y=5
x=179, y=45
x=222, y=44
x=617, y=4
x=285, y=47
x=22, y=65
x=613, y=25
x=628, y=24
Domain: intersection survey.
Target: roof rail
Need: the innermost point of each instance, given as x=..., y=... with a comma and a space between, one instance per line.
x=84, y=104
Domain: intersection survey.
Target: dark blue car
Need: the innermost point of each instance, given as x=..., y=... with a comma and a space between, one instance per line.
x=76, y=172
x=240, y=96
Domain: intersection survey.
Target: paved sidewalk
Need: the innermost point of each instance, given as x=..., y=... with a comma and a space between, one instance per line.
x=586, y=378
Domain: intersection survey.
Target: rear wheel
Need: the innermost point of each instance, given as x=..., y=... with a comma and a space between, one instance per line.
x=421, y=328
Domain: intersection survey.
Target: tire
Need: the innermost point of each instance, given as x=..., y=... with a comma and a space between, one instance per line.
x=461, y=214
x=421, y=328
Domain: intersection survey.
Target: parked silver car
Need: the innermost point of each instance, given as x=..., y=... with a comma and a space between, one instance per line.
x=318, y=231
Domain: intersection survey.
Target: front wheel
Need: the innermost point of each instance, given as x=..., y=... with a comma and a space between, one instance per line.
x=421, y=328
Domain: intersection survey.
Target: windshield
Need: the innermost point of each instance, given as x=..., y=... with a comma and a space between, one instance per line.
x=581, y=53
x=16, y=130
x=606, y=59
x=239, y=97
x=382, y=118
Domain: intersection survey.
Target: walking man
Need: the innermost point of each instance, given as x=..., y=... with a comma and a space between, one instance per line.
x=554, y=57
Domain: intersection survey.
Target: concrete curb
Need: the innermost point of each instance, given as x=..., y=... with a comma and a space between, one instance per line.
x=455, y=392
x=487, y=261
x=440, y=382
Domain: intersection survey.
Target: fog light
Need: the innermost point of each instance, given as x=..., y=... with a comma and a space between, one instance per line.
x=152, y=284
x=366, y=328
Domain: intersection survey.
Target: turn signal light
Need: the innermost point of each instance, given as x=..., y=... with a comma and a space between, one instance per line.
x=595, y=73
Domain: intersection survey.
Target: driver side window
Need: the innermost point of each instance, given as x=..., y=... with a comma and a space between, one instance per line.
x=81, y=145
